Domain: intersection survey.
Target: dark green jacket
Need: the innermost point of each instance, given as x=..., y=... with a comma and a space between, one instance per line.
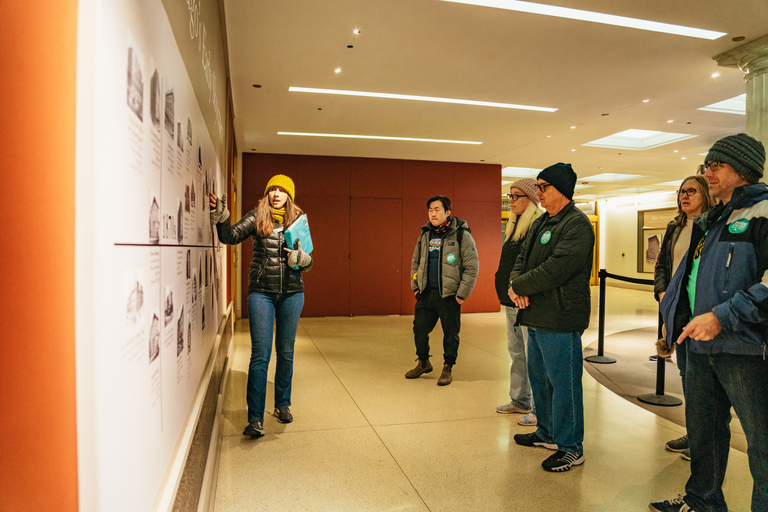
x=553, y=271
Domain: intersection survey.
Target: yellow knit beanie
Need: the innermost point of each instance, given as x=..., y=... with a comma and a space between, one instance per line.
x=282, y=181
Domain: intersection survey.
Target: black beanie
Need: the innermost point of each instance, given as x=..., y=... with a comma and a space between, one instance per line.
x=745, y=154
x=562, y=177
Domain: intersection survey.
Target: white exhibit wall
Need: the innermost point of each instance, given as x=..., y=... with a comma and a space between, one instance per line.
x=150, y=272
x=619, y=234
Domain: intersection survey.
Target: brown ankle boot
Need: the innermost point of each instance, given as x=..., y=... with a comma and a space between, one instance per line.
x=445, y=377
x=422, y=366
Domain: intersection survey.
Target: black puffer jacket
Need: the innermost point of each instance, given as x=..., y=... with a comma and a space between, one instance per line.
x=269, y=271
x=553, y=270
x=509, y=253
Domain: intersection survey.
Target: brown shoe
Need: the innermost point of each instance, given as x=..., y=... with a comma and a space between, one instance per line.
x=421, y=367
x=445, y=377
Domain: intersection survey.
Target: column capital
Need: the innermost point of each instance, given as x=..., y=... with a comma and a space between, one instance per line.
x=751, y=58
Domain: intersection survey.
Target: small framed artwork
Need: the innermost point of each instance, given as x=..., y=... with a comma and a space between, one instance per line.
x=651, y=225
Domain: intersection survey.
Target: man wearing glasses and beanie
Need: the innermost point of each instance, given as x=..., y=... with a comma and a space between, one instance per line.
x=718, y=301
x=550, y=285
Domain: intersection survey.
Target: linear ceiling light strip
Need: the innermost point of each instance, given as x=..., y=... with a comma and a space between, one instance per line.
x=419, y=98
x=595, y=17
x=376, y=137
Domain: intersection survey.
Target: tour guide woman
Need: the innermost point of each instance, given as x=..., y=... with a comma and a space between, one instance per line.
x=275, y=292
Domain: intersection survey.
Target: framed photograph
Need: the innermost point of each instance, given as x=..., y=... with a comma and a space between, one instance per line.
x=651, y=225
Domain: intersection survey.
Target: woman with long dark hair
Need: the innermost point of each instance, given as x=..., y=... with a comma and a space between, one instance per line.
x=275, y=293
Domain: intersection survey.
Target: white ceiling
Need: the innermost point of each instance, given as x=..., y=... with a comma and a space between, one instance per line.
x=444, y=49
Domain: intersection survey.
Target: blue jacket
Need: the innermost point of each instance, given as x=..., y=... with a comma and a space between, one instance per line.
x=732, y=281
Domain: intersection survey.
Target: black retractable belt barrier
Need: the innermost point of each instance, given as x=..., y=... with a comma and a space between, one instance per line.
x=659, y=398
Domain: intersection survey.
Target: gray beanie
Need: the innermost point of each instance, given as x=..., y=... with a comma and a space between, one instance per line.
x=745, y=154
x=562, y=177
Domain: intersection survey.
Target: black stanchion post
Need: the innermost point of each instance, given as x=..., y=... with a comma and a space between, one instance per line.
x=600, y=358
x=659, y=398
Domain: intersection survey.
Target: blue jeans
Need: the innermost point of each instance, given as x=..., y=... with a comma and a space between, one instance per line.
x=519, y=387
x=263, y=310
x=714, y=384
x=555, y=368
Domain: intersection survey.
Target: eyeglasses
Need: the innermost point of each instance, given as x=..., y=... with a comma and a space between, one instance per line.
x=543, y=187
x=514, y=197
x=712, y=166
x=690, y=192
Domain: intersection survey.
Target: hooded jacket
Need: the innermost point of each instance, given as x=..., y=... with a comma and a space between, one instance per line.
x=732, y=281
x=458, y=261
x=269, y=271
x=553, y=270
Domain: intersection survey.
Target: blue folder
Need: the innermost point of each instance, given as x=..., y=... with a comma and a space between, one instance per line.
x=299, y=230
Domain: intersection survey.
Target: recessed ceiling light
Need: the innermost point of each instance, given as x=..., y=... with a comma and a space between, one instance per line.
x=419, y=98
x=638, y=140
x=646, y=101
x=356, y=31
x=596, y=17
x=611, y=177
x=377, y=137
x=683, y=158
x=715, y=75
x=549, y=136
x=675, y=151
x=520, y=172
x=736, y=105
x=573, y=150
x=671, y=121
x=337, y=70
x=573, y=127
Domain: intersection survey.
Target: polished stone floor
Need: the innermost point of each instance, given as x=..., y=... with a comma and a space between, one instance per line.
x=365, y=438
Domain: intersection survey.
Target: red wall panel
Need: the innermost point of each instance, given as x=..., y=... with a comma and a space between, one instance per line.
x=377, y=177
x=322, y=176
x=375, y=249
x=365, y=213
x=422, y=180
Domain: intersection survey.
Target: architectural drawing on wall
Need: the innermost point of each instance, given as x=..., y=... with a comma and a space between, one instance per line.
x=189, y=264
x=186, y=198
x=154, y=338
x=652, y=249
x=154, y=219
x=189, y=131
x=169, y=113
x=180, y=333
x=135, y=303
x=194, y=287
x=189, y=337
x=135, y=84
x=155, y=105
x=168, y=305
x=179, y=136
x=206, y=268
x=180, y=223
x=192, y=194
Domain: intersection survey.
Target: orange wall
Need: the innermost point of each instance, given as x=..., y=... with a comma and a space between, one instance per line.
x=365, y=215
x=38, y=445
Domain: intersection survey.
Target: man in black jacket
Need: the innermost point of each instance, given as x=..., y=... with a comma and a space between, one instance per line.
x=550, y=285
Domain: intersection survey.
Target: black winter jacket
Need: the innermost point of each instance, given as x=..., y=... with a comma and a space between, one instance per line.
x=269, y=271
x=509, y=253
x=553, y=271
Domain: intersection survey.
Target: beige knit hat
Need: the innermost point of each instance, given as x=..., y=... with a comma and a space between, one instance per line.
x=528, y=186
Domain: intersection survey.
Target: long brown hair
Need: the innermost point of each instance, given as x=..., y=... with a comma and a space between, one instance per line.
x=265, y=223
x=705, y=205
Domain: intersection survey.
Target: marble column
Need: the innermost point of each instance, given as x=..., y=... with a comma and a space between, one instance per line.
x=752, y=59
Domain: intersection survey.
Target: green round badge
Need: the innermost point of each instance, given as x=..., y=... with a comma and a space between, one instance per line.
x=546, y=237
x=738, y=226
x=451, y=258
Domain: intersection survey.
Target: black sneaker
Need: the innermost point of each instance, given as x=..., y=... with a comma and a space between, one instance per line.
x=255, y=428
x=686, y=454
x=675, y=505
x=533, y=439
x=561, y=461
x=283, y=414
x=678, y=445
